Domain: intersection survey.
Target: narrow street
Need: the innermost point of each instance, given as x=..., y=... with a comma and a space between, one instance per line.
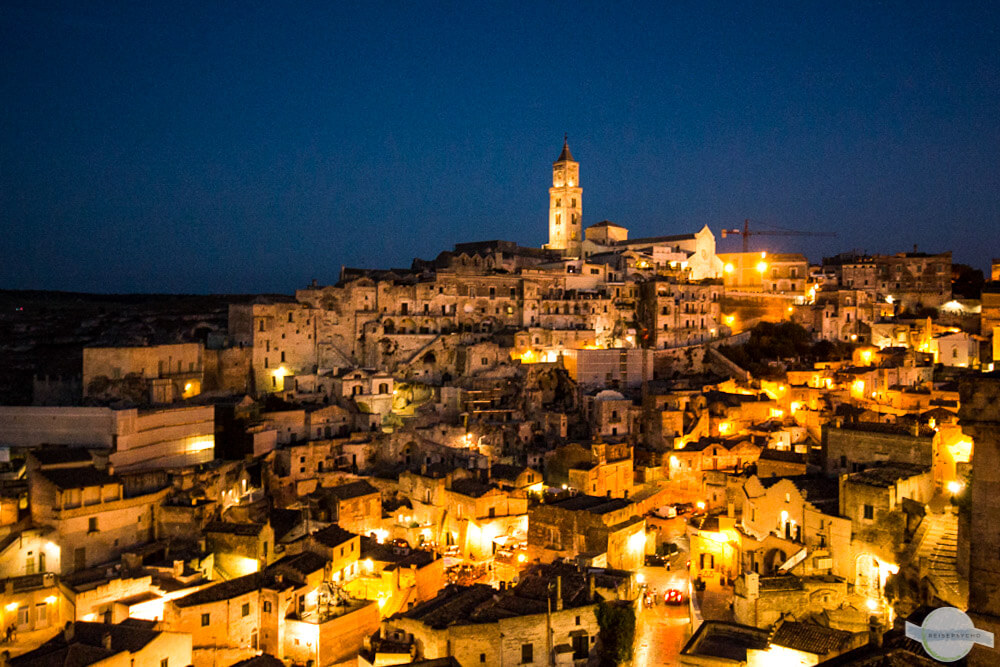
x=662, y=629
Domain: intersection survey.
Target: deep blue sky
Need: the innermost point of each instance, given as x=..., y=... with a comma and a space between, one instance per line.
x=252, y=146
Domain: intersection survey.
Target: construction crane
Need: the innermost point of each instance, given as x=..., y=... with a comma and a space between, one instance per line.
x=777, y=231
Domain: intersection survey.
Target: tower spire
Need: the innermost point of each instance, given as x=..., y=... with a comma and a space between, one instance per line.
x=565, y=155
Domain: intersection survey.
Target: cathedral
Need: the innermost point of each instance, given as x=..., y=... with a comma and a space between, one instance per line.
x=693, y=252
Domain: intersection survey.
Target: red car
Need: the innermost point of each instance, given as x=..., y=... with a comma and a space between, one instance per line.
x=673, y=596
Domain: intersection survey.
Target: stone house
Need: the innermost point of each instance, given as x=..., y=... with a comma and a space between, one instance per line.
x=239, y=548
x=849, y=447
x=476, y=625
x=341, y=548
x=596, y=469
x=397, y=578
x=873, y=501
x=784, y=532
x=588, y=526
x=127, y=643
x=91, y=516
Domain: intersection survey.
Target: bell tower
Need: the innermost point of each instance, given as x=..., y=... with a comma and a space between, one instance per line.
x=565, y=204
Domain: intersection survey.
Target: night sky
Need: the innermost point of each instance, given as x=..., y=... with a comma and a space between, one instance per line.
x=251, y=147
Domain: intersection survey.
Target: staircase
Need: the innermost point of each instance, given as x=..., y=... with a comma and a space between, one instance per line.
x=936, y=557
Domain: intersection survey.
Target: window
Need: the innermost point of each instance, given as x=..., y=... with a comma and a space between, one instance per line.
x=282, y=357
x=92, y=525
x=245, y=611
x=22, y=616
x=869, y=512
x=484, y=361
x=573, y=202
x=578, y=620
x=290, y=317
x=165, y=662
x=41, y=614
x=482, y=657
x=527, y=654
x=267, y=607
x=206, y=620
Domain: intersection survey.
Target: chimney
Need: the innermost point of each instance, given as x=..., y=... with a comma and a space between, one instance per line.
x=106, y=641
x=591, y=586
x=874, y=631
x=559, y=600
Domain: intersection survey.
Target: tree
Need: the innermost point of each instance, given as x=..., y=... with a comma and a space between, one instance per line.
x=617, y=632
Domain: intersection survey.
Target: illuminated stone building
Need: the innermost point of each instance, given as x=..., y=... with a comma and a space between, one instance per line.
x=910, y=280
x=548, y=618
x=138, y=439
x=565, y=205
x=605, y=530
x=675, y=314
x=92, y=518
x=171, y=371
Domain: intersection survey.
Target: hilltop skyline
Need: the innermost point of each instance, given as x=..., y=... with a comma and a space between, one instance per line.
x=212, y=150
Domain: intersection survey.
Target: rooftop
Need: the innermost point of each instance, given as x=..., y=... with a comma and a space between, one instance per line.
x=353, y=490
x=887, y=475
x=241, y=529
x=227, y=590
x=592, y=504
x=85, y=645
x=332, y=536
x=61, y=454
x=728, y=641
x=77, y=478
x=471, y=487
x=507, y=473
x=812, y=638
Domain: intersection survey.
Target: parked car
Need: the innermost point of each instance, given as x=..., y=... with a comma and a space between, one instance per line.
x=673, y=596
x=654, y=560
x=665, y=512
